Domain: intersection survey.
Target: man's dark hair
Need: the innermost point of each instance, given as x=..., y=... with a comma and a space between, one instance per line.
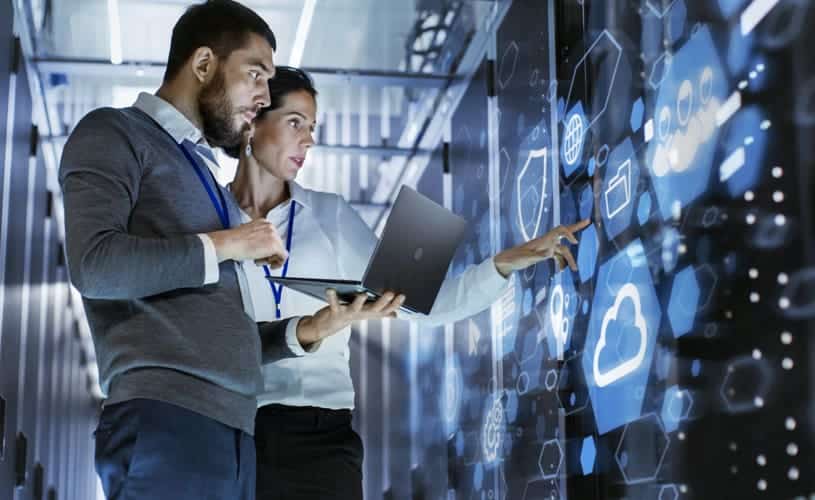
x=286, y=80
x=222, y=25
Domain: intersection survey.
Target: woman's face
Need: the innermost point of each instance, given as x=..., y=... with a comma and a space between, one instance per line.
x=283, y=136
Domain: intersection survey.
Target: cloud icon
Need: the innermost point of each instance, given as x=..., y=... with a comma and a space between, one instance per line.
x=628, y=291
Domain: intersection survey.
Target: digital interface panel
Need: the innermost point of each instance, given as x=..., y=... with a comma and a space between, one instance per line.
x=675, y=362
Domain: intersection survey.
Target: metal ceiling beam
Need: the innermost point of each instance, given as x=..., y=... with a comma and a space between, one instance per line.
x=155, y=71
x=385, y=151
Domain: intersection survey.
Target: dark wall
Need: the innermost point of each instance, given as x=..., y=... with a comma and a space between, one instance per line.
x=695, y=287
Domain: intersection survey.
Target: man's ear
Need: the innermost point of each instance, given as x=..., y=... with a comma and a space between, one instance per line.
x=204, y=64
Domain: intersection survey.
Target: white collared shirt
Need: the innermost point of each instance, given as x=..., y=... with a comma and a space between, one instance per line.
x=181, y=129
x=330, y=240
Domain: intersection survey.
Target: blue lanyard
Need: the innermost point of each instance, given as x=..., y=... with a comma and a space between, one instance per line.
x=221, y=208
x=277, y=290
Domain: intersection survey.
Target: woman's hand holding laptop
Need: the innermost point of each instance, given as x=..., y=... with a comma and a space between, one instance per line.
x=336, y=316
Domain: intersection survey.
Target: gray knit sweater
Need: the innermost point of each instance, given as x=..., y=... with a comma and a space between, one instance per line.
x=133, y=207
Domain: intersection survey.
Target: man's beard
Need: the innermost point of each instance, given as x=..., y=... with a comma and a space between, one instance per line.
x=218, y=115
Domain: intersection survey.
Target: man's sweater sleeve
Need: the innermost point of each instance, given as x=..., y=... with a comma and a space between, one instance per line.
x=100, y=175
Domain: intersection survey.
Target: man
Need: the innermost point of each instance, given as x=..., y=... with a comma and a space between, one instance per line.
x=152, y=242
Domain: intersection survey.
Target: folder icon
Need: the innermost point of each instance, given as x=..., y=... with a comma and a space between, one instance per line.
x=618, y=192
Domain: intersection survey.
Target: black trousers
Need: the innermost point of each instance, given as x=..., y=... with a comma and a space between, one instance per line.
x=153, y=450
x=307, y=453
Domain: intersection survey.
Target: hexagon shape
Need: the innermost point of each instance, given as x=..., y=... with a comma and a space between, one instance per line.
x=551, y=459
x=629, y=307
x=677, y=17
x=660, y=7
x=684, y=301
x=560, y=312
x=586, y=202
x=707, y=279
x=681, y=159
x=587, y=455
x=668, y=492
x=746, y=384
x=637, y=113
x=645, y=433
x=508, y=63
x=587, y=253
x=607, y=45
x=619, y=189
x=573, y=394
x=659, y=70
x=574, y=132
x=675, y=407
x=531, y=186
x=542, y=489
x=644, y=208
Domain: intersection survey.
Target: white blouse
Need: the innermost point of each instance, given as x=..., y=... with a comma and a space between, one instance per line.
x=330, y=240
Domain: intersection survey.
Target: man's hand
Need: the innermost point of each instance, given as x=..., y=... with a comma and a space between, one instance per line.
x=257, y=240
x=335, y=317
x=546, y=247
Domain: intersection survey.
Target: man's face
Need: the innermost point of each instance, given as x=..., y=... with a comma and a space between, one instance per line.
x=239, y=88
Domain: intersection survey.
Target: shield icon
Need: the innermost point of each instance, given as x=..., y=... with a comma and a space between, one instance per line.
x=531, y=190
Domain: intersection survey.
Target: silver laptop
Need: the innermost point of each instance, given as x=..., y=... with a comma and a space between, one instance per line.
x=417, y=245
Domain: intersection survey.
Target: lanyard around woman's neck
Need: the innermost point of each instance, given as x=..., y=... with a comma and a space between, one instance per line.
x=277, y=290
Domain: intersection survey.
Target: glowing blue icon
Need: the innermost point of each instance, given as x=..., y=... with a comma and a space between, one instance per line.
x=574, y=132
x=619, y=186
x=621, y=337
x=492, y=434
x=531, y=185
x=561, y=310
x=681, y=156
x=618, y=192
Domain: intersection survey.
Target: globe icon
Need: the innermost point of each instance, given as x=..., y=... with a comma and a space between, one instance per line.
x=573, y=140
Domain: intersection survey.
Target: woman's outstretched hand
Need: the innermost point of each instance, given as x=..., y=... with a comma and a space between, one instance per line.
x=545, y=247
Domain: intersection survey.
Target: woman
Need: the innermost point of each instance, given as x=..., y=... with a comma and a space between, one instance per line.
x=306, y=447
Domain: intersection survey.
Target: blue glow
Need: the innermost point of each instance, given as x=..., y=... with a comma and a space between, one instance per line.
x=675, y=407
x=587, y=253
x=637, y=113
x=587, y=455
x=683, y=302
x=677, y=17
x=586, y=202
x=681, y=155
x=622, y=176
x=574, y=131
x=625, y=304
x=746, y=124
x=644, y=208
x=561, y=311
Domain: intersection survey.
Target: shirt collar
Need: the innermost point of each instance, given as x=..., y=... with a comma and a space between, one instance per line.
x=169, y=117
x=298, y=193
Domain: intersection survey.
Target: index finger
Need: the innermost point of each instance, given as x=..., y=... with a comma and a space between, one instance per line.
x=579, y=226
